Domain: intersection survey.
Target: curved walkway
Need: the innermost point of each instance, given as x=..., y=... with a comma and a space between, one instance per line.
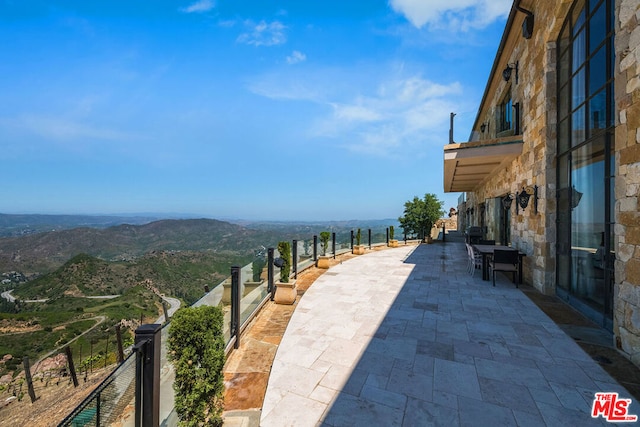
x=405, y=337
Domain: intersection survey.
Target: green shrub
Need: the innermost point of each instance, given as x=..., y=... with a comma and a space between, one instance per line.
x=284, y=248
x=391, y=232
x=324, y=241
x=196, y=347
x=358, y=237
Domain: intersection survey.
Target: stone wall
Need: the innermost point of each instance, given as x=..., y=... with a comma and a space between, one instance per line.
x=535, y=234
x=627, y=230
x=531, y=232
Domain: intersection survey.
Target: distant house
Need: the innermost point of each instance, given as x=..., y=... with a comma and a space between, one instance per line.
x=552, y=165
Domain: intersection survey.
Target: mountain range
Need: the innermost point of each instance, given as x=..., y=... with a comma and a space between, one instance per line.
x=44, y=252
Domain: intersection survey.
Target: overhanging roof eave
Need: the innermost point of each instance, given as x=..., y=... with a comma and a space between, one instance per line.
x=467, y=165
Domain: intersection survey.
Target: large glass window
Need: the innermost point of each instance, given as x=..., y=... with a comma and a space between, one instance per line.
x=585, y=161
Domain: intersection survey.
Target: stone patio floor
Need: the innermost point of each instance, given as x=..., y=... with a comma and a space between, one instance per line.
x=406, y=337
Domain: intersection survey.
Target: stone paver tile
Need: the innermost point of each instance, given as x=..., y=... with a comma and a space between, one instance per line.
x=348, y=410
x=383, y=397
x=305, y=359
x=421, y=413
x=323, y=394
x=305, y=379
x=529, y=377
x=475, y=413
x=445, y=399
x=528, y=419
x=355, y=382
x=411, y=384
x=558, y=416
x=337, y=376
x=473, y=349
x=447, y=331
x=342, y=352
x=456, y=378
x=435, y=349
x=294, y=410
x=379, y=381
x=508, y=395
x=525, y=351
x=544, y=395
x=563, y=347
x=400, y=347
x=376, y=363
x=566, y=374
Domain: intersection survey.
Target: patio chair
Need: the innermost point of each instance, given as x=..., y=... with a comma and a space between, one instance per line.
x=505, y=261
x=474, y=260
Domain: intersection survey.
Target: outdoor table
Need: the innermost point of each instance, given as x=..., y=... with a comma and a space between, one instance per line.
x=487, y=250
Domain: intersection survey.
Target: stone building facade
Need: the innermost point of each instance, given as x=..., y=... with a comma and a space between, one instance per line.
x=560, y=122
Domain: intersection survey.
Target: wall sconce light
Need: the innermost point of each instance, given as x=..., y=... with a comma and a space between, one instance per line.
x=525, y=195
x=506, y=73
x=507, y=201
x=527, y=24
x=483, y=127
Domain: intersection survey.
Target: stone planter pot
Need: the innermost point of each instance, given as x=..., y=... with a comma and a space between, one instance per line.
x=393, y=243
x=323, y=261
x=286, y=293
x=359, y=249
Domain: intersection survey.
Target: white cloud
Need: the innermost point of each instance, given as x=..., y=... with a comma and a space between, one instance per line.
x=263, y=33
x=295, y=57
x=454, y=15
x=382, y=115
x=402, y=113
x=199, y=6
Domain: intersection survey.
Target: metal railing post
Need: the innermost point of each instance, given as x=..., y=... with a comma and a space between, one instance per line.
x=315, y=248
x=333, y=239
x=270, y=282
x=235, y=305
x=351, y=241
x=98, y=409
x=294, y=252
x=369, y=238
x=148, y=366
x=387, y=236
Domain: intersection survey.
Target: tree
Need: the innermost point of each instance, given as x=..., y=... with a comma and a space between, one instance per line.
x=421, y=214
x=284, y=248
x=324, y=241
x=196, y=347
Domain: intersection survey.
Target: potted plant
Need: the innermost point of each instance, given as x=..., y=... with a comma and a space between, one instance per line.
x=358, y=249
x=393, y=243
x=286, y=291
x=323, y=260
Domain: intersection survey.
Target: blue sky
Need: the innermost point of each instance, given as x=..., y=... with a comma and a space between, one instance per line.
x=277, y=110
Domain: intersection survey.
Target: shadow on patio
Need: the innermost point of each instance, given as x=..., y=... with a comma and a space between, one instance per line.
x=407, y=337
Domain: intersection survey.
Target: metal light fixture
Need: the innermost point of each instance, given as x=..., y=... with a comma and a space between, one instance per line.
x=506, y=73
x=527, y=24
x=507, y=201
x=525, y=195
x=483, y=126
